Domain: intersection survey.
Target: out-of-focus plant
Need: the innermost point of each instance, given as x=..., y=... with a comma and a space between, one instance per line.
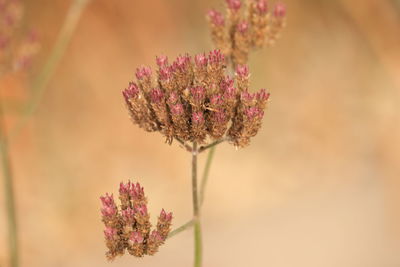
x=17, y=49
x=195, y=101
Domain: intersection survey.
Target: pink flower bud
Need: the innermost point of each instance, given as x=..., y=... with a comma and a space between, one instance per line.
x=200, y=60
x=262, y=95
x=220, y=116
x=242, y=71
x=110, y=233
x=216, y=17
x=197, y=118
x=226, y=82
x=109, y=208
x=247, y=97
x=107, y=200
x=198, y=93
x=136, y=237
x=143, y=72
x=137, y=192
x=279, y=10
x=173, y=97
x=262, y=7
x=242, y=27
x=230, y=92
x=216, y=57
x=156, y=95
x=124, y=188
x=165, y=216
x=234, y=5
x=155, y=236
x=128, y=215
x=254, y=112
x=181, y=63
x=142, y=209
x=216, y=100
x=162, y=61
x=131, y=92
x=165, y=73
x=177, y=109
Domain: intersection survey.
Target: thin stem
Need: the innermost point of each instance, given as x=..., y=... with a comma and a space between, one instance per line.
x=206, y=173
x=8, y=192
x=186, y=146
x=40, y=84
x=196, y=211
x=181, y=228
x=203, y=148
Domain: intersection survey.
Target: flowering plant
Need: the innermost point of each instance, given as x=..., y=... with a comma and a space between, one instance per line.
x=197, y=102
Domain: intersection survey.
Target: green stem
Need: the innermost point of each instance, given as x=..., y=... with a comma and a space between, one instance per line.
x=206, y=173
x=196, y=210
x=40, y=84
x=181, y=228
x=8, y=192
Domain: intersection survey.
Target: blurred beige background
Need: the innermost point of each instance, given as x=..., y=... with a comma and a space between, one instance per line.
x=319, y=186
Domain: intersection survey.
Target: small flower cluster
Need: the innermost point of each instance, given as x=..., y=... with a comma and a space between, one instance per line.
x=192, y=100
x=16, y=49
x=129, y=227
x=245, y=28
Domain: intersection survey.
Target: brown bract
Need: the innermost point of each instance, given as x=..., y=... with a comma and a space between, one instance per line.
x=245, y=27
x=194, y=100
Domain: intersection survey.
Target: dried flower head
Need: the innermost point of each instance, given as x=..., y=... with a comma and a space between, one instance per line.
x=128, y=227
x=17, y=48
x=244, y=29
x=196, y=101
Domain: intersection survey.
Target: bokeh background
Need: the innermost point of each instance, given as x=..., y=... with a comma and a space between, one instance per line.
x=319, y=186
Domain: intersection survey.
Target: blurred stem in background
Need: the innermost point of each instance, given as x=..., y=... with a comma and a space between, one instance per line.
x=40, y=83
x=38, y=88
x=8, y=191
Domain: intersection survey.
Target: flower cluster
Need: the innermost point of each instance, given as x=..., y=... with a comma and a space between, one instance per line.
x=245, y=28
x=194, y=100
x=16, y=49
x=129, y=227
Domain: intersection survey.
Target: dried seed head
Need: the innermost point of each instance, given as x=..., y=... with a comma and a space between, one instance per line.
x=197, y=102
x=245, y=30
x=17, y=48
x=129, y=227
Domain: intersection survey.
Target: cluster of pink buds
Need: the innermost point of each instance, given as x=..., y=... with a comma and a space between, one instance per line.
x=246, y=27
x=195, y=100
x=16, y=50
x=128, y=227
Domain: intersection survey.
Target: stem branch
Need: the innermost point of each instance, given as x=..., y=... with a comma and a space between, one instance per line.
x=203, y=148
x=181, y=228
